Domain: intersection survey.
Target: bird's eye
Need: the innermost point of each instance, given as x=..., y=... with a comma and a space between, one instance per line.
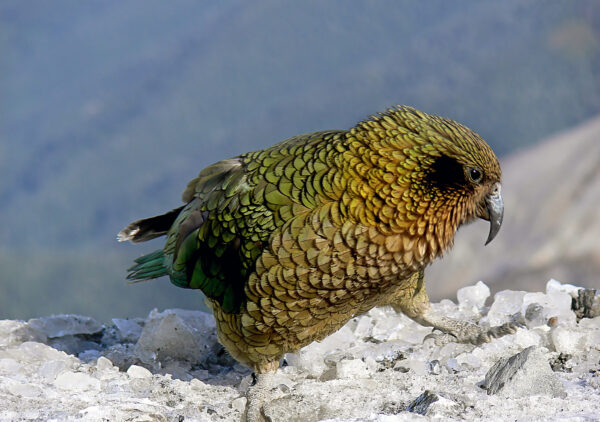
x=475, y=175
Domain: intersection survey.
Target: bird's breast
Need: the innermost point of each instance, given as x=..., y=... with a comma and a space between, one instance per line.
x=315, y=276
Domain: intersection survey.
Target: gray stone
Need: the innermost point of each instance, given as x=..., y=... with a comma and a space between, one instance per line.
x=129, y=329
x=177, y=334
x=64, y=325
x=583, y=304
x=525, y=374
x=421, y=404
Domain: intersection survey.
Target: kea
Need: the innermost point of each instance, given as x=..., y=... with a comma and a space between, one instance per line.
x=290, y=242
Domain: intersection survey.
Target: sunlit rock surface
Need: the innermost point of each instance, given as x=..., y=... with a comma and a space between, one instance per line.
x=379, y=367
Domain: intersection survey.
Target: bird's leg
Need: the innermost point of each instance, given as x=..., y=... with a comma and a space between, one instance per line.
x=260, y=392
x=414, y=303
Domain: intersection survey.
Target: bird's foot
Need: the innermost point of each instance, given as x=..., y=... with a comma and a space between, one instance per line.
x=266, y=388
x=257, y=395
x=454, y=330
x=472, y=334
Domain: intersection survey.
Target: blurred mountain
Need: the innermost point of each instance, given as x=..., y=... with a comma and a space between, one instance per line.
x=551, y=223
x=108, y=108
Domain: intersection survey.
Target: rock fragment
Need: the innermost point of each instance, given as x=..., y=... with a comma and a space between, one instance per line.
x=473, y=296
x=583, y=304
x=64, y=325
x=136, y=371
x=77, y=381
x=525, y=374
x=433, y=405
x=561, y=363
x=177, y=334
x=421, y=404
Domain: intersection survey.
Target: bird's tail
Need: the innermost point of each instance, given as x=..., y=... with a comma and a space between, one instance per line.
x=148, y=267
x=149, y=228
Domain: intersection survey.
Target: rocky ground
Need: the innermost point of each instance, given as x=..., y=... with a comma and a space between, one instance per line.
x=379, y=367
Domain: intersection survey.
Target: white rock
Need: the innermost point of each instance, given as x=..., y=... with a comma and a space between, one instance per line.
x=490, y=352
x=450, y=351
x=555, y=304
x=556, y=286
x=409, y=331
x=371, y=363
x=534, y=315
x=590, y=323
x=351, y=369
x=135, y=371
x=16, y=332
x=419, y=367
x=282, y=381
x=506, y=303
x=130, y=412
x=62, y=325
x=103, y=363
x=129, y=329
x=239, y=404
x=446, y=307
x=364, y=327
x=453, y=365
x=303, y=362
x=387, y=324
x=311, y=358
x=9, y=366
x=385, y=351
x=177, y=334
x=76, y=381
x=473, y=296
x=569, y=340
x=41, y=352
x=468, y=359
x=525, y=338
x=22, y=389
x=52, y=368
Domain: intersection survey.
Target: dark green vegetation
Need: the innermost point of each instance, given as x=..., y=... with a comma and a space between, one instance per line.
x=108, y=108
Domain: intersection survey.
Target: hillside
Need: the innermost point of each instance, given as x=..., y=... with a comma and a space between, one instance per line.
x=551, y=223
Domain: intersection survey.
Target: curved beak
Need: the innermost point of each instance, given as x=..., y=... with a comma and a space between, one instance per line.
x=495, y=208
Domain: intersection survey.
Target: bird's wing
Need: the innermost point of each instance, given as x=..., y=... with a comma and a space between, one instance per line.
x=233, y=208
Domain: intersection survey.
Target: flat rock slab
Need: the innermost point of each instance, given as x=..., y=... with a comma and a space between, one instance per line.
x=525, y=374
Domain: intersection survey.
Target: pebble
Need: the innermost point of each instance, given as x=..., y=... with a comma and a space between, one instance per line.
x=135, y=371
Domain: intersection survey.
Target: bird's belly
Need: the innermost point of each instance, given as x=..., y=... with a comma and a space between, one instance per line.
x=285, y=322
x=312, y=279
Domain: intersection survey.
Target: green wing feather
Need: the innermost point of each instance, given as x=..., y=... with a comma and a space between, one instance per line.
x=233, y=208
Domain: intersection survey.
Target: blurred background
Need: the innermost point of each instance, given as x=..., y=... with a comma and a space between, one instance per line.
x=108, y=108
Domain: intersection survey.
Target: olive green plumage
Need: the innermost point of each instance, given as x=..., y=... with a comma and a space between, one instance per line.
x=290, y=242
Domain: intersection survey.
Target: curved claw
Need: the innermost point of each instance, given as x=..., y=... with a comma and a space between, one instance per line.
x=441, y=339
x=504, y=329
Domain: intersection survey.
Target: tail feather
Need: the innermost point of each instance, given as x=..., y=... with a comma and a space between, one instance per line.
x=148, y=267
x=149, y=228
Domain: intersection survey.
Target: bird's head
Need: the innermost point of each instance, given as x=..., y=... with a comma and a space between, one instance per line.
x=428, y=175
